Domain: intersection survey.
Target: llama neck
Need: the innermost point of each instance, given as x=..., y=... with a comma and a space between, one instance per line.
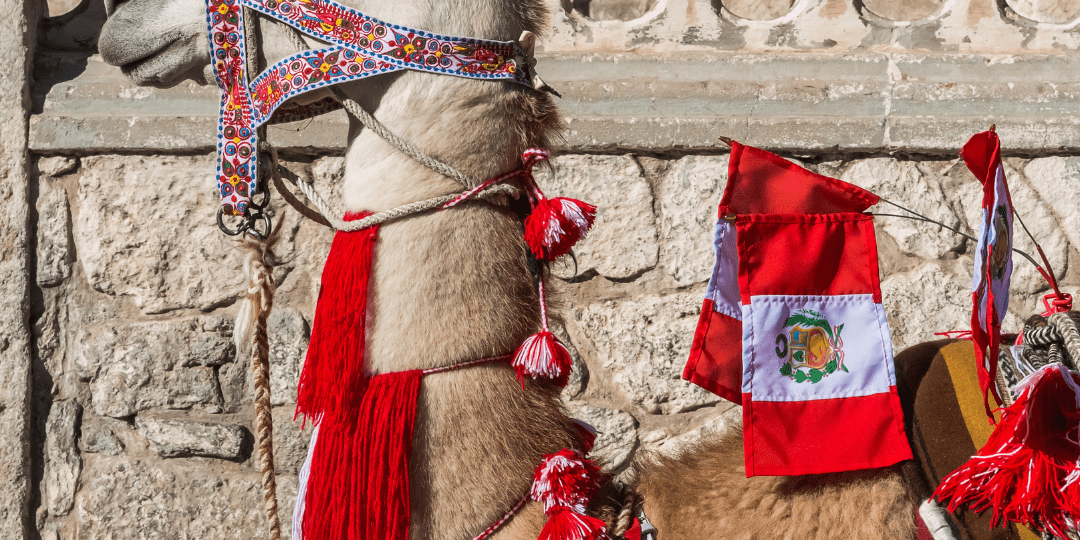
x=453, y=286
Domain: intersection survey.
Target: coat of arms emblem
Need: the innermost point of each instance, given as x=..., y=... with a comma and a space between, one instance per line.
x=810, y=347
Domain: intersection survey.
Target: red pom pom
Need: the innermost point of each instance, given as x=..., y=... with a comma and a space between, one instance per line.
x=565, y=524
x=565, y=479
x=555, y=225
x=542, y=355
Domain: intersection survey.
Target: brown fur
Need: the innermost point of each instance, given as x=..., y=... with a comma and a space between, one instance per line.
x=453, y=286
x=704, y=495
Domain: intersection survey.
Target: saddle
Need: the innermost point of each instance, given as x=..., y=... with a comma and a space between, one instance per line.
x=946, y=422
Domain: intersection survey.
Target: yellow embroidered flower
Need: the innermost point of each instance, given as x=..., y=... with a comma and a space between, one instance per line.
x=223, y=9
x=234, y=179
x=409, y=49
x=324, y=67
x=371, y=37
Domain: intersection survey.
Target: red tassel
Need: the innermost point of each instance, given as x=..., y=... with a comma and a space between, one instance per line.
x=1029, y=470
x=555, y=225
x=333, y=372
x=565, y=479
x=358, y=485
x=565, y=524
x=542, y=355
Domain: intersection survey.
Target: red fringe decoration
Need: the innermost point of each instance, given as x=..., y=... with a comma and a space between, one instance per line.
x=543, y=355
x=555, y=225
x=358, y=487
x=333, y=376
x=358, y=483
x=565, y=524
x=1029, y=470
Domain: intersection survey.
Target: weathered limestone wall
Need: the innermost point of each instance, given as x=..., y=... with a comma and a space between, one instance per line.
x=141, y=413
x=16, y=255
x=149, y=419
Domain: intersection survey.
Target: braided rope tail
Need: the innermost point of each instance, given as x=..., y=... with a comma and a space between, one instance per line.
x=250, y=332
x=250, y=337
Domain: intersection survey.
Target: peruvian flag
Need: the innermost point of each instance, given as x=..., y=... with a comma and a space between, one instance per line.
x=993, y=258
x=793, y=327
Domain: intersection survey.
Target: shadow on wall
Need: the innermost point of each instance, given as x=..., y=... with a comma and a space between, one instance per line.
x=609, y=10
x=66, y=40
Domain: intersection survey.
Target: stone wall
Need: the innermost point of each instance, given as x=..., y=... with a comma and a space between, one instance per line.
x=146, y=418
x=141, y=413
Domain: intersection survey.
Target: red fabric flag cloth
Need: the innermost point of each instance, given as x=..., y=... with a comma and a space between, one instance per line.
x=993, y=259
x=797, y=282
x=759, y=182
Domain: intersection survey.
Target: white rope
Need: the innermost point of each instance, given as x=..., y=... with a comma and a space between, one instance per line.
x=381, y=130
x=337, y=221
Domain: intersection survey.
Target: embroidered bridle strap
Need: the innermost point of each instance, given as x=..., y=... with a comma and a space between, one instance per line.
x=360, y=46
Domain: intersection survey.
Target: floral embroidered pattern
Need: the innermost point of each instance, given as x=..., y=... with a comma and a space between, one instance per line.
x=405, y=47
x=362, y=47
x=308, y=70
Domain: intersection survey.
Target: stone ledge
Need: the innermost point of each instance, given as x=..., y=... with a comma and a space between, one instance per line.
x=808, y=102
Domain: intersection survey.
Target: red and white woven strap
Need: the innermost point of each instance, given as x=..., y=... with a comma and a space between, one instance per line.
x=471, y=363
x=502, y=521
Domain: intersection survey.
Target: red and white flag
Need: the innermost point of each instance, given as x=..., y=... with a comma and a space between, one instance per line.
x=993, y=258
x=792, y=326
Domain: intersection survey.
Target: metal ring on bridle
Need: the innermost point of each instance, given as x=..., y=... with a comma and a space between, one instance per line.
x=250, y=228
x=244, y=223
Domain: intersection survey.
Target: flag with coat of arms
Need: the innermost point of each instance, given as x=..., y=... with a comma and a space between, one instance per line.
x=792, y=326
x=993, y=259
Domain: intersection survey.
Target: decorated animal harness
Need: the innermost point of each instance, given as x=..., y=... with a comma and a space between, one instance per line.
x=354, y=483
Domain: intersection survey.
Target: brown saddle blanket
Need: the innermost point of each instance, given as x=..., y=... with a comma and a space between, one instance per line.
x=946, y=422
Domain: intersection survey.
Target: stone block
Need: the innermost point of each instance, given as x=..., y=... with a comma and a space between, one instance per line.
x=145, y=229
x=290, y=441
x=689, y=196
x=288, y=333
x=53, y=233
x=908, y=184
x=642, y=344
x=622, y=242
x=56, y=165
x=127, y=498
x=97, y=437
x=141, y=366
x=62, y=461
x=616, y=434
x=926, y=300
x=181, y=438
x=1057, y=181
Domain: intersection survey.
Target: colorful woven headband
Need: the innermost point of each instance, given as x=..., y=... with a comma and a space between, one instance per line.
x=361, y=46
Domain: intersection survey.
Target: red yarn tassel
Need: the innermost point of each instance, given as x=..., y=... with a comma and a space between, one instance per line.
x=555, y=225
x=543, y=355
x=565, y=479
x=333, y=371
x=1029, y=470
x=358, y=485
x=565, y=524
x=564, y=482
